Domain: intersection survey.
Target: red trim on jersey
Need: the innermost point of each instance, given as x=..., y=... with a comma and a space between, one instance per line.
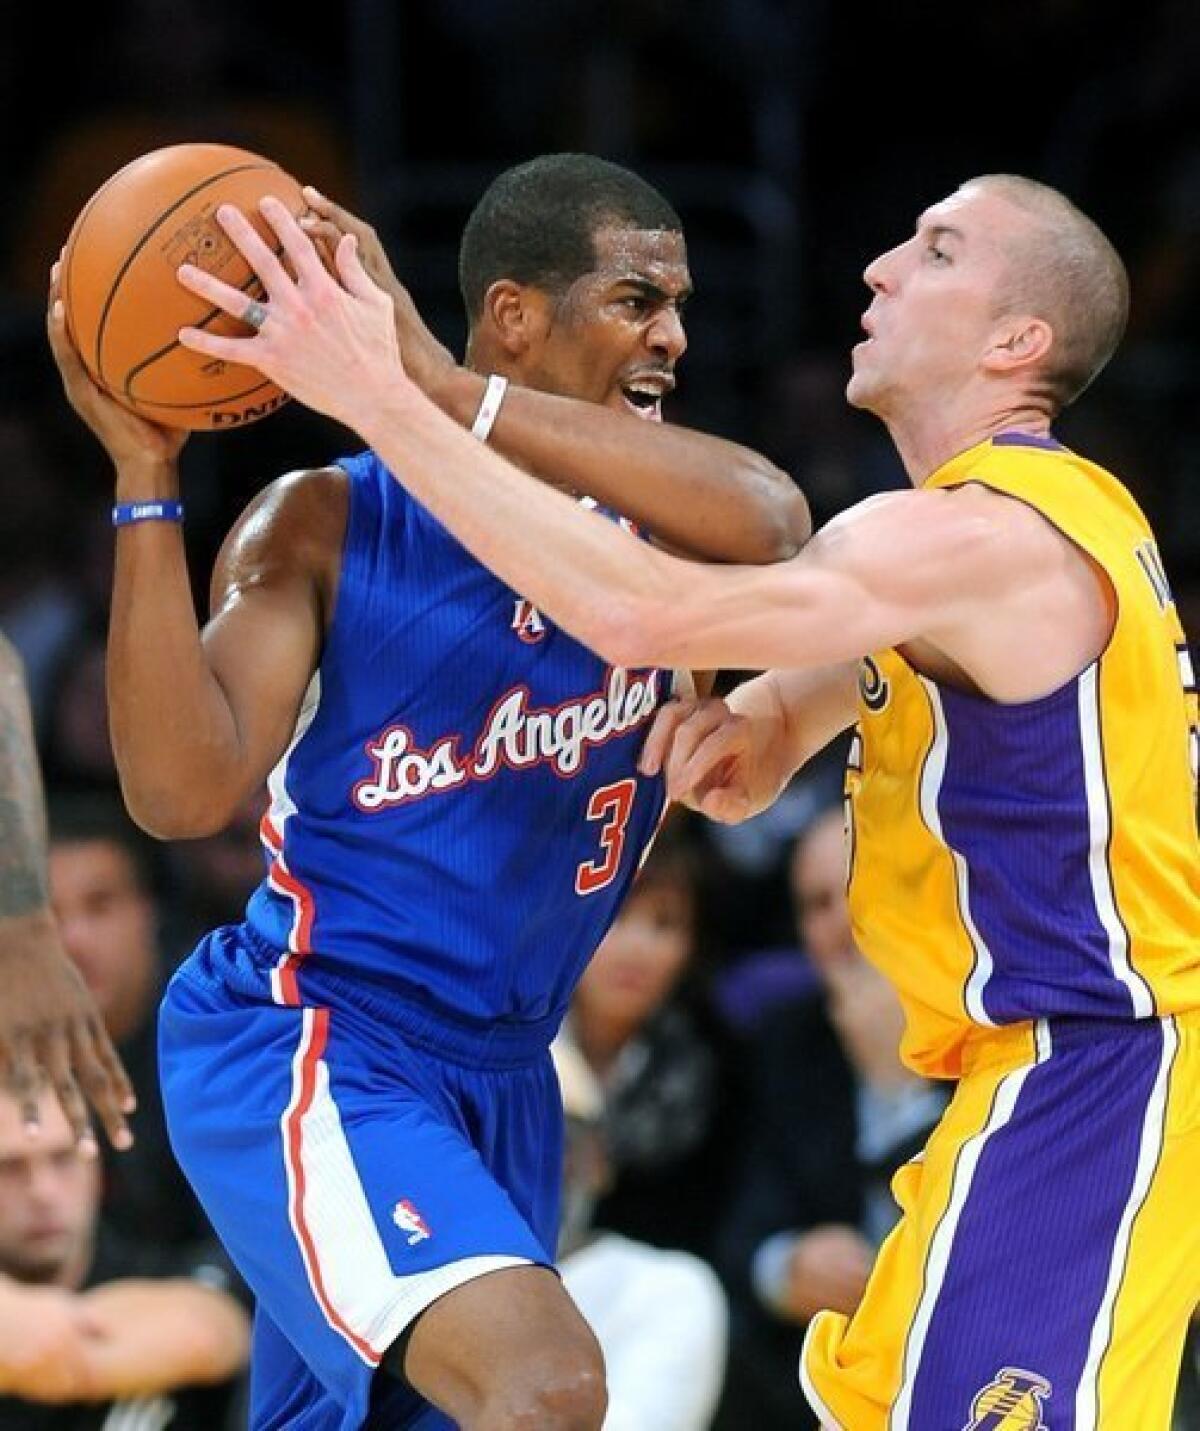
x=281, y=879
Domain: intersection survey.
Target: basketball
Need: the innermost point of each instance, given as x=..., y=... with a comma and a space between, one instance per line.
x=124, y=306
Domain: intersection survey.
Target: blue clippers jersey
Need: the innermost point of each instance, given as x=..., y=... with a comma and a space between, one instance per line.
x=459, y=813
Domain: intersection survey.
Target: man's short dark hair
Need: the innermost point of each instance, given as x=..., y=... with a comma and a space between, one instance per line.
x=84, y=816
x=536, y=222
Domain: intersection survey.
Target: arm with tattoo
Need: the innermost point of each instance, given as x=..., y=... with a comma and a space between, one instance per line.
x=50, y=1031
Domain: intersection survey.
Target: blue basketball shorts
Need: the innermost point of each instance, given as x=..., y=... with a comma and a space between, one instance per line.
x=357, y=1163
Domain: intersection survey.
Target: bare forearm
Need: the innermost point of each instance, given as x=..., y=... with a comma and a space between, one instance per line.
x=167, y=713
x=701, y=494
x=153, y=1336
x=798, y=713
x=22, y=811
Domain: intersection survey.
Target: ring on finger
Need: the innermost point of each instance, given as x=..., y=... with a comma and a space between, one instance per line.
x=256, y=314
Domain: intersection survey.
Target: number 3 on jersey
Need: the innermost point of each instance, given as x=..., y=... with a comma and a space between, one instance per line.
x=611, y=806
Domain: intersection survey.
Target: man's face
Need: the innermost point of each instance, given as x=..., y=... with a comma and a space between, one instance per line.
x=48, y=1197
x=616, y=334
x=818, y=882
x=934, y=311
x=107, y=926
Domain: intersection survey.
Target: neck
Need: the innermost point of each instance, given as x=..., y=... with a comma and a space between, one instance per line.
x=600, y=1041
x=925, y=441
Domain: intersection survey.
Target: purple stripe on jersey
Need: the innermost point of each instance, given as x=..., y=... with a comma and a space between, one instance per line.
x=1013, y=803
x=1044, y=1227
x=1028, y=439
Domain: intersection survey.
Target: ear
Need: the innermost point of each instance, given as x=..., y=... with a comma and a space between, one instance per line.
x=517, y=314
x=1018, y=342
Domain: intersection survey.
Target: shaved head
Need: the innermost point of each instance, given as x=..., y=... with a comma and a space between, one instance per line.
x=1064, y=270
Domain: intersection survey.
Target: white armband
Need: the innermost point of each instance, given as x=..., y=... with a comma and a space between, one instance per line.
x=489, y=406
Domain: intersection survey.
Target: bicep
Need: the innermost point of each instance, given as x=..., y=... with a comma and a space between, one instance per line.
x=263, y=647
x=890, y=570
x=263, y=639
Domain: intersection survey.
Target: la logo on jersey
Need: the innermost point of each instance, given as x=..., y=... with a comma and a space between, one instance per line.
x=409, y=1221
x=1011, y=1401
x=528, y=622
x=873, y=686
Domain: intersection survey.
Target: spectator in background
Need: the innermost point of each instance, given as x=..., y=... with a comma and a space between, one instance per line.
x=660, y=1315
x=831, y=1113
x=98, y=1332
x=102, y=890
x=212, y=878
x=641, y=1019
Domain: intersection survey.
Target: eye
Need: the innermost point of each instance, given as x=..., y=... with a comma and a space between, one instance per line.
x=636, y=303
x=937, y=255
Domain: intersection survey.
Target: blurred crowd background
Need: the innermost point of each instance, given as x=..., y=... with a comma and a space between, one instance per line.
x=745, y=1087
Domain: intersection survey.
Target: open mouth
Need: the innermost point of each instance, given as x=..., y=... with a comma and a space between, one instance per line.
x=643, y=396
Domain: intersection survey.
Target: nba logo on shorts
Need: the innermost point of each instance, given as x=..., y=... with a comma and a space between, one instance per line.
x=410, y=1221
x=1011, y=1401
x=527, y=621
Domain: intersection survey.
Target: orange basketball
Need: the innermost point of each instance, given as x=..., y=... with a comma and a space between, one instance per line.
x=124, y=305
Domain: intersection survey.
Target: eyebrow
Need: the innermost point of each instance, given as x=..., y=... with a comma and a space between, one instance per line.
x=938, y=231
x=652, y=290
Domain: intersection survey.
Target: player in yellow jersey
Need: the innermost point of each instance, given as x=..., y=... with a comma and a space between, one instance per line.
x=1024, y=848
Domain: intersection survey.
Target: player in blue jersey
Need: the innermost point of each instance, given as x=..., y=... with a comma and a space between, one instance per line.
x=357, y=1076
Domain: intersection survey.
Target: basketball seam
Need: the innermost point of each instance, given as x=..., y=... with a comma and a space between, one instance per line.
x=175, y=343
x=145, y=239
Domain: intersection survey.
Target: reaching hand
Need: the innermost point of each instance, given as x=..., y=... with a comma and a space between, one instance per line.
x=52, y=1036
x=709, y=756
x=425, y=359
x=331, y=344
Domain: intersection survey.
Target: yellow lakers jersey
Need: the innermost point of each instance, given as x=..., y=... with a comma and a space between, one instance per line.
x=1014, y=862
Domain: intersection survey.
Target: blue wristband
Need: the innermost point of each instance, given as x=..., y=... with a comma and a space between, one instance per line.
x=124, y=514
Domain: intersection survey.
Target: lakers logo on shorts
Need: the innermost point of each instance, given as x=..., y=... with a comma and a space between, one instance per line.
x=872, y=685
x=1011, y=1401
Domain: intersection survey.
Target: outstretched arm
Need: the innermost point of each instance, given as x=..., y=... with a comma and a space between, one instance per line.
x=50, y=1030
x=891, y=569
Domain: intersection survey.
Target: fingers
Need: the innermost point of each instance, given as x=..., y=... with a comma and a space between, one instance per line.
x=56, y=1060
x=296, y=244
x=707, y=738
x=213, y=290
x=105, y=1080
x=255, y=249
x=23, y=1078
x=350, y=270
x=662, y=734
x=345, y=221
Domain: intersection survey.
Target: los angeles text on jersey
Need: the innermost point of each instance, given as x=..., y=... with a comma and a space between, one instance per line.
x=515, y=736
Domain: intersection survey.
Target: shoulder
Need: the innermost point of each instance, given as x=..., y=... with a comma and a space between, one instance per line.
x=293, y=529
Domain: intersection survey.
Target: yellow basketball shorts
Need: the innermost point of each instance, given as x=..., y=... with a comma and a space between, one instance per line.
x=1047, y=1260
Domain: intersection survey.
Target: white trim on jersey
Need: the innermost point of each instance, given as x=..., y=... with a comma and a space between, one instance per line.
x=937, y=1259
x=932, y=774
x=1087, y=1397
x=1100, y=832
x=347, y=1265
x=280, y=810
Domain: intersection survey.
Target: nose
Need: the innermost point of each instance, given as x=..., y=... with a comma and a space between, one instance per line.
x=666, y=337
x=879, y=274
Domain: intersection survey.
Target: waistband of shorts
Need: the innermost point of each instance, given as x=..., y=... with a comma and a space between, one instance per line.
x=1026, y=1041
x=449, y=1034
